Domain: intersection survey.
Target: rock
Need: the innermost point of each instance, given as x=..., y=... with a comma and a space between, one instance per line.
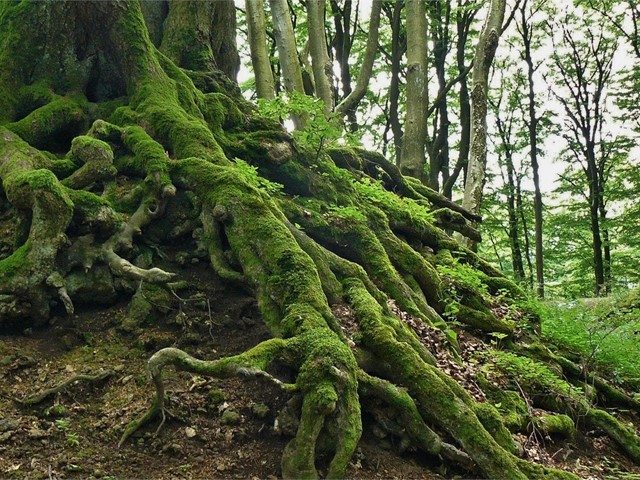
x=190, y=432
x=230, y=417
x=215, y=396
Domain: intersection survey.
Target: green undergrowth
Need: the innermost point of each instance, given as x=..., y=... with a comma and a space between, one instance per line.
x=602, y=335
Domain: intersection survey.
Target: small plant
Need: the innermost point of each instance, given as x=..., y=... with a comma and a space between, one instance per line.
x=250, y=174
x=73, y=439
x=320, y=131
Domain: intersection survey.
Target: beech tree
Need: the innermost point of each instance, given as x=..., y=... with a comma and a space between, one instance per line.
x=106, y=141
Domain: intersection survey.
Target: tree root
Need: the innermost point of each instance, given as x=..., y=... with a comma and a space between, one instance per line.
x=41, y=396
x=249, y=364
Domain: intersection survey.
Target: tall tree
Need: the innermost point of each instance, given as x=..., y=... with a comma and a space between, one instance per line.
x=320, y=62
x=287, y=52
x=485, y=51
x=412, y=159
x=584, y=67
x=525, y=26
x=257, y=32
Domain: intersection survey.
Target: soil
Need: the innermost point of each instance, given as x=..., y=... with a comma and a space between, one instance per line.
x=216, y=428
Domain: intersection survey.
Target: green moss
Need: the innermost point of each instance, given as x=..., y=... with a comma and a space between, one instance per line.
x=52, y=126
x=16, y=262
x=536, y=376
x=509, y=403
x=491, y=420
x=561, y=425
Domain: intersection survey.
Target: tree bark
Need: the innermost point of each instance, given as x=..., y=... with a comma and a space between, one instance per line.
x=320, y=62
x=412, y=159
x=485, y=51
x=287, y=53
x=352, y=100
x=526, y=32
x=258, y=45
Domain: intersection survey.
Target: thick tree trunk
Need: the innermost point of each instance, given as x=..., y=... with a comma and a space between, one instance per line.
x=201, y=36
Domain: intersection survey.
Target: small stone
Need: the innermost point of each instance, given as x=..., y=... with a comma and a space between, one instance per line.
x=190, y=432
x=229, y=417
x=36, y=433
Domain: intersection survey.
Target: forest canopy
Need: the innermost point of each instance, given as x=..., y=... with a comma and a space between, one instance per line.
x=358, y=233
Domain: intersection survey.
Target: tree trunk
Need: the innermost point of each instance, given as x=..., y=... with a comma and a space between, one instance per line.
x=532, y=126
x=257, y=31
x=397, y=51
x=485, y=51
x=464, y=18
x=287, y=53
x=351, y=101
x=200, y=36
x=320, y=63
x=412, y=159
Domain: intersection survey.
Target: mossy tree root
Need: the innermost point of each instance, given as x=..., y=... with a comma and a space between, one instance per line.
x=439, y=399
x=36, y=193
x=547, y=390
x=41, y=396
x=251, y=363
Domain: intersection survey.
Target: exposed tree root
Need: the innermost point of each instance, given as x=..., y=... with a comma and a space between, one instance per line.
x=41, y=396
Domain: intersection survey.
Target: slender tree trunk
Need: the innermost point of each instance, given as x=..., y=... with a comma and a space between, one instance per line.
x=485, y=51
x=594, y=204
x=412, y=159
x=532, y=125
x=352, y=99
x=258, y=46
x=463, y=24
x=287, y=52
x=320, y=62
x=525, y=232
x=394, y=87
x=439, y=148
x=514, y=236
x=606, y=246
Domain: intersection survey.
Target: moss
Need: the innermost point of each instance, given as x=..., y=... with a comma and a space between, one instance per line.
x=491, y=420
x=624, y=436
x=561, y=425
x=535, y=376
x=52, y=126
x=150, y=157
x=509, y=403
x=15, y=262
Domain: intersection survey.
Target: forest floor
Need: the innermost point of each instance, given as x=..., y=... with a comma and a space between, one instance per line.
x=217, y=428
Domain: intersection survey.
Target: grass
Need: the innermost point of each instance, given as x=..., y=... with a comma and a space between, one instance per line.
x=603, y=333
